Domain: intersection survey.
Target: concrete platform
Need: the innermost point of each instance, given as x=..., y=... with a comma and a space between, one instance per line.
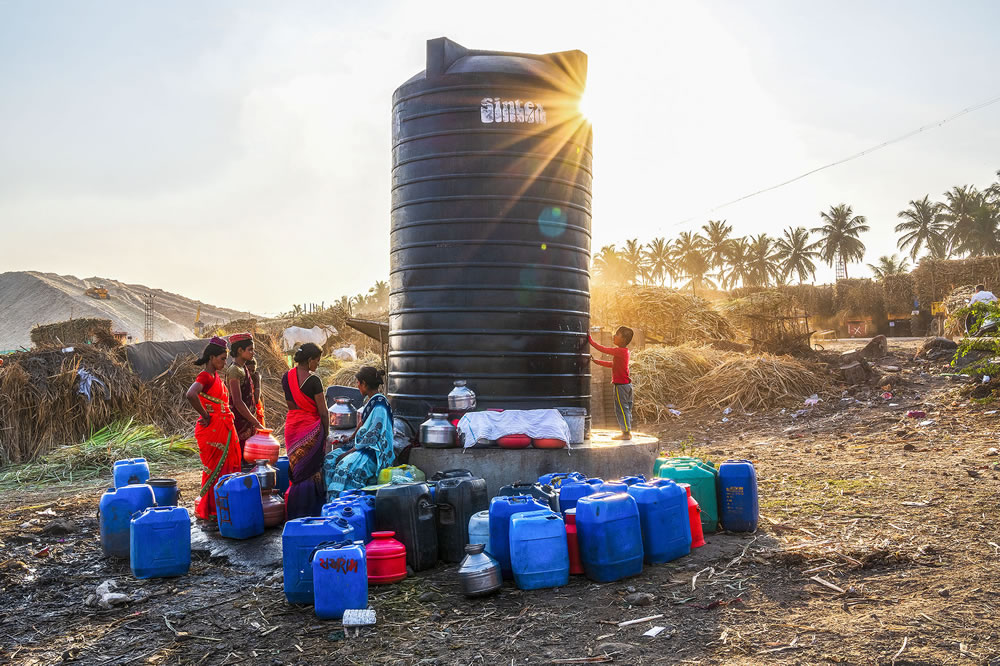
x=600, y=456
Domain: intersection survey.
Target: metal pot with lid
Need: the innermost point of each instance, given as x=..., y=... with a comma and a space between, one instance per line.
x=479, y=574
x=266, y=475
x=437, y=432
x=461, y=398
x=343, y=415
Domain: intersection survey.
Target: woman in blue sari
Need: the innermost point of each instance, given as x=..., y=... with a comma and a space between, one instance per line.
x=370, y=449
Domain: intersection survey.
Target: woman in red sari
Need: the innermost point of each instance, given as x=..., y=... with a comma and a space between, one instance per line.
x=215, y=433
x=306, y=429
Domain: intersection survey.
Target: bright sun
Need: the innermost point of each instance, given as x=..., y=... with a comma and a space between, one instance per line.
x=586, y=106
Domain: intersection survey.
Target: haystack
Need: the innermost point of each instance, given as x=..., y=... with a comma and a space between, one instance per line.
x=665, y=314
x=934, y=279
x=41, y=408
x=757, y=382
x=662, y=376
x=345, y=375
x=89, y=331
x=815, y=300
x=772, y=320
x=898, y=293
x=858, y=298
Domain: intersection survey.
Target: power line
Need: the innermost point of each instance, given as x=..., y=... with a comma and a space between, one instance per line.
x=866, y=151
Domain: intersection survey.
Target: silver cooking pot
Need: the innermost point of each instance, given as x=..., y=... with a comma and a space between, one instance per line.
x=343, y=415
x=437, y=432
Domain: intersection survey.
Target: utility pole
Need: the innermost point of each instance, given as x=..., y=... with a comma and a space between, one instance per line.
x=841, y=267
x=147, y=302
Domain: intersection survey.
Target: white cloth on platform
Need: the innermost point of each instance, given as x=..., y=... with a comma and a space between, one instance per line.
x=487, y=427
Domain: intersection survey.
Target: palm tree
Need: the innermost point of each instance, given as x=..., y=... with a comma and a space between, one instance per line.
x=993, y=191
x=610, y=267
x=692, y=260
x=958, y=211
x=379, y=294
x=840, y=231
x=716, y=237
x=761, y=265
x=889, y=266
x=737, y=259
x=632, y=254
x=978, y=237
x=796, y=254
x=657, y=257
x=924, y=227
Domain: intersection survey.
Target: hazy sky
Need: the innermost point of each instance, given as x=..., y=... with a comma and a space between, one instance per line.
x=239, y=152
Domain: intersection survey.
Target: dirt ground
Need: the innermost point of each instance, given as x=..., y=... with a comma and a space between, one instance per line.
x=877, y=545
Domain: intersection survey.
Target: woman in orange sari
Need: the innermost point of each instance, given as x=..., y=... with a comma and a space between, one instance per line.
x=218, y=444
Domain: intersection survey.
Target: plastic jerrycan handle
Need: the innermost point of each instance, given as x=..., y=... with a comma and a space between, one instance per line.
x=327, y=544
x=453, y=473
x=313, y=521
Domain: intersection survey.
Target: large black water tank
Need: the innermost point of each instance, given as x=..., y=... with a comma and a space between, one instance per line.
x=490, y=241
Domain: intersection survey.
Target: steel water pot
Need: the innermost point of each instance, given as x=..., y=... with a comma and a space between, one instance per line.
x=343, y=415
x=479, y=574
x=266, y=475
x=437, y=432
x=461, y=398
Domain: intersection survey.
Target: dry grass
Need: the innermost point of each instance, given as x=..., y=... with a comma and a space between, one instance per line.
x=756, y=382
x=663, y=376
x=74, y=332
x=40, y=407
x=772, y=320
x=664, y=314
x=344, y=376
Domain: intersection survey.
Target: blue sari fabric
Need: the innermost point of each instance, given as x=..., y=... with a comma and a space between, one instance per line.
x=370, y=451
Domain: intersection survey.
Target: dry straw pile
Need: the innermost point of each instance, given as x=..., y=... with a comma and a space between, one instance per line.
x=344, y=375
x=663, y=376
x=935, y=279
x=756, y=382
x=664, y=314
x=814, y=300
x=74, y=332
x=692, y=377
x=41, y=407
x=772, y=321
x=898, y=291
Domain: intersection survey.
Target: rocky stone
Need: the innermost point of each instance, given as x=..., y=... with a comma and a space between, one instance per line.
x=877, y=347
x=639, y=599
x=60, y=526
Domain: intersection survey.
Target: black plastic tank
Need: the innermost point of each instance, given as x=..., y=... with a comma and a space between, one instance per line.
x=490, y=240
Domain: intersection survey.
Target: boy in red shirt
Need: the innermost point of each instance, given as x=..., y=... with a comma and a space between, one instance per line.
x=619, y=377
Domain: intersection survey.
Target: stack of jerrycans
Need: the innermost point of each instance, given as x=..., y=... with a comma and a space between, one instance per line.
x=458, y=497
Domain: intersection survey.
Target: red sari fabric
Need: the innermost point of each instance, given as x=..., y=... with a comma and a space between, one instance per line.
x=304, y=444
x=218, y=444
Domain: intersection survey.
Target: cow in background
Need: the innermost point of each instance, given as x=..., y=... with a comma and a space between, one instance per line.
x=295, y=336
